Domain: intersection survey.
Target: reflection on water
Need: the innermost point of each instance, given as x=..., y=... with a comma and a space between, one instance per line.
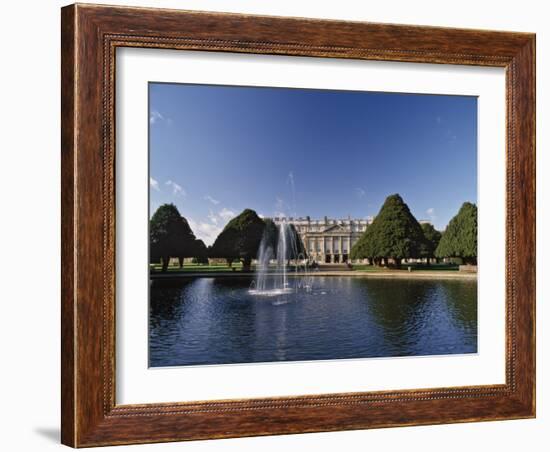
x=217, y=320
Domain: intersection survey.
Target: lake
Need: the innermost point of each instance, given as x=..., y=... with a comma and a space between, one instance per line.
x=216, y=320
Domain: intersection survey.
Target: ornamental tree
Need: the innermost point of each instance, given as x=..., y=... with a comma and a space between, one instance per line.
x=460, y=237
x=200, y=253
x=365, y=247
x=432, y=237
x=394, y=234
x=271, y=237
x=297, y=248
x=169, y=235
x=240, y=239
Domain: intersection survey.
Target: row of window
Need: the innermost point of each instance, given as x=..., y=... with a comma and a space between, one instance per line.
x=303, y=229
x=328, y=249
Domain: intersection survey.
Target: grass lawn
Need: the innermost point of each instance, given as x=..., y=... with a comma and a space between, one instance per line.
x=404, y=267
x=196, y=268
x=237, y=267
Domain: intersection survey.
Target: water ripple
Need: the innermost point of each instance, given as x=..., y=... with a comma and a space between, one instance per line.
x=219, y=320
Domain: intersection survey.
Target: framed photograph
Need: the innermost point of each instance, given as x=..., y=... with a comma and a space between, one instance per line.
x=282, y=225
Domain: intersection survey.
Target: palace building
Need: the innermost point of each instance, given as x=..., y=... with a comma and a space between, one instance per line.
x=328, y=240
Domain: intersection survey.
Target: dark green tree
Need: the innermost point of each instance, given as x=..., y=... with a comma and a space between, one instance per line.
x=460, y=237
x=365, y=248
x=270, y=236
x=432, y=237
x=169, y=235
x=200, y=253
x=394, y=234
x=295, y=248
x=240, y=239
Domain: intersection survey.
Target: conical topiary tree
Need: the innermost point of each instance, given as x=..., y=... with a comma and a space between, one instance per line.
x=295, y=245
x=200, y=253
x=169, y=235
x=365, y=247
x=460, y=237
x=271, y=236
x=240, y=239
x=432, y=237
x=393, y=234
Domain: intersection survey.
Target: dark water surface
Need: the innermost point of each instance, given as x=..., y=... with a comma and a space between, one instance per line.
x=217, y=321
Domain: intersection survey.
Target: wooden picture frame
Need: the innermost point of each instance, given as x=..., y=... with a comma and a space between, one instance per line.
x=90, y=36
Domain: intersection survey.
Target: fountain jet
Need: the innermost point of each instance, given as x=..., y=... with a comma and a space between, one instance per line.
x=280, y=247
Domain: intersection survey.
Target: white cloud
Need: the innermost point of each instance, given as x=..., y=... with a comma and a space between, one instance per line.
x=212, y=217
x=226, y=214
x=431, y=214
x=155, y=117
x=208, y=229
x=360, y=192
x=212, y=200
x=176, y=188
x=154, y=184
x=207, y=232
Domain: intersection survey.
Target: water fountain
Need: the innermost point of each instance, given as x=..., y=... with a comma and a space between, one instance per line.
x=273, y=281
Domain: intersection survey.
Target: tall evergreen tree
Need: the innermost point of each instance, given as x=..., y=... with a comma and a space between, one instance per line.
x=240, y=239
x=169, y=235
x=297, y=248
x=432, y=237
x=200, y=253
x=394, y=234
x=460, y=237
x=271, y=236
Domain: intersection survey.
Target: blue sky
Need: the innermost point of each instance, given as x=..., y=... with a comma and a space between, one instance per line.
x=216, y=150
